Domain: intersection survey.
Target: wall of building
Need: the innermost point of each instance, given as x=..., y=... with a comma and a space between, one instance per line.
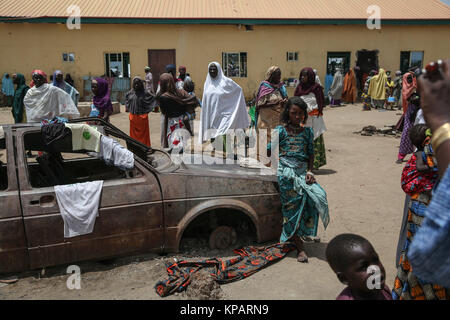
x=25, y=46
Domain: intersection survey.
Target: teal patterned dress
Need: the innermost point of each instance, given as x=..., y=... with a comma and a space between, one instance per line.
x=302, y=203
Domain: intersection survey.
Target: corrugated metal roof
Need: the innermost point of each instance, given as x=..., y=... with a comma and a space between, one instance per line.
x=228, y=9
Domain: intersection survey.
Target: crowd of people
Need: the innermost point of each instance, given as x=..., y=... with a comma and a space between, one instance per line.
x=295, y=126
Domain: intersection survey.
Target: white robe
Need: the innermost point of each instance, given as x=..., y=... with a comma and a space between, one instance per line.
x=47, y=102
x=314, y=122
x=223, y=107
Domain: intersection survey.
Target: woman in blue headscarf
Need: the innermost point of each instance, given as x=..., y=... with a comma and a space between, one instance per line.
x=58, y=81
x=7, y=90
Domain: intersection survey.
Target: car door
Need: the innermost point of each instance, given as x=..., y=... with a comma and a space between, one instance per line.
x=130, y=213
x=13, y=247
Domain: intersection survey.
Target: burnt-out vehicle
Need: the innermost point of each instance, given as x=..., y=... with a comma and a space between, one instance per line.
x=147, y=209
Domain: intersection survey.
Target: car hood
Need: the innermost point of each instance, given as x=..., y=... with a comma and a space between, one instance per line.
x=209, y=166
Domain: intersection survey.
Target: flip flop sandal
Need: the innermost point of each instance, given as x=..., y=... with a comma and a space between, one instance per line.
x=9, y=280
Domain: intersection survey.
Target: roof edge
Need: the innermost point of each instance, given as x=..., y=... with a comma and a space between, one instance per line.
x=100, y=20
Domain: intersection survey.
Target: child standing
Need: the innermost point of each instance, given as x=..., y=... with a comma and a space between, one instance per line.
x=303, y=200
x=352, y=258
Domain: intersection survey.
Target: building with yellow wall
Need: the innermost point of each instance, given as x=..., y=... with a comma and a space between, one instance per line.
x=41, y=40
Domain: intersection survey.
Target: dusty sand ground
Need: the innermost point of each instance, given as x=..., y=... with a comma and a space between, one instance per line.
x=364, y=194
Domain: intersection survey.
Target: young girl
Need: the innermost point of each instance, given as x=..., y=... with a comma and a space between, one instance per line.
x=303, y=200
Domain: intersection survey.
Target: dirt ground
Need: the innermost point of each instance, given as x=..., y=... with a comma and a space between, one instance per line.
x=361, y=179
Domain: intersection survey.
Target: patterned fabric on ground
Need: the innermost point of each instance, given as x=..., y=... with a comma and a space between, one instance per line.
x=249, y=261
x=320, y=158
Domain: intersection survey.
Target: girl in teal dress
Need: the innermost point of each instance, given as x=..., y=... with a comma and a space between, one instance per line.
x=303, y=199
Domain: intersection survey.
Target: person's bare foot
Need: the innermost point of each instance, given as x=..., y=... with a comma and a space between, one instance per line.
x=302, y=257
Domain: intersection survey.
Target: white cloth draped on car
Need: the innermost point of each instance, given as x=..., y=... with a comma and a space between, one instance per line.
x=113, y=153
x=47, y=102
x=223, y=106
x=78, y=204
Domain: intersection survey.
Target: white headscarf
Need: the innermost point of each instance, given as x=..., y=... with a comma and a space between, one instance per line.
x=47, y=102
x=223, y=106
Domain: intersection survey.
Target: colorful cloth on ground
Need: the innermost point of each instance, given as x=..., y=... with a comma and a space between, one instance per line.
x=18, y=107
x=320, y=157
x=377, y=86
x=249, y=261
x=350, y=92
x=428, y=253
x=7, y=86
x=139, y=128
x=302, y=203
x=406, y=146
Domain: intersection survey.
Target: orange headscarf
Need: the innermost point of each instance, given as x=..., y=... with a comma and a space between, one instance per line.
x=408, y=89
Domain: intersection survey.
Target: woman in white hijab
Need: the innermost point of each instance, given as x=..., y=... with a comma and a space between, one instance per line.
x=44, y=101
x=223, y=107
x=336, y=89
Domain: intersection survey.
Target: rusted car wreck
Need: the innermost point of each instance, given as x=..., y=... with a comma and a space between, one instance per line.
x=147, y=209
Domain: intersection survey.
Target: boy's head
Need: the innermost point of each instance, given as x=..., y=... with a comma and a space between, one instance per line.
x=418, y=134
x=350, y=257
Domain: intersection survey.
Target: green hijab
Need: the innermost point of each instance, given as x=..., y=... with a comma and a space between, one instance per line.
x=21, y=91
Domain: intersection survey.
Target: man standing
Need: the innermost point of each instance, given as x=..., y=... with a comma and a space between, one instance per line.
x=149, y=80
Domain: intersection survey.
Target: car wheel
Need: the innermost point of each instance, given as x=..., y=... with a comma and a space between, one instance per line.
x=222, y=237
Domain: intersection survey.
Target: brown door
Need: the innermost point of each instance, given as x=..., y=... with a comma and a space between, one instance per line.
x=158, y=60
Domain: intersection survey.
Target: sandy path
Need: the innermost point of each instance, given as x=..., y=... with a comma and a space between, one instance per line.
x=364, y=194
